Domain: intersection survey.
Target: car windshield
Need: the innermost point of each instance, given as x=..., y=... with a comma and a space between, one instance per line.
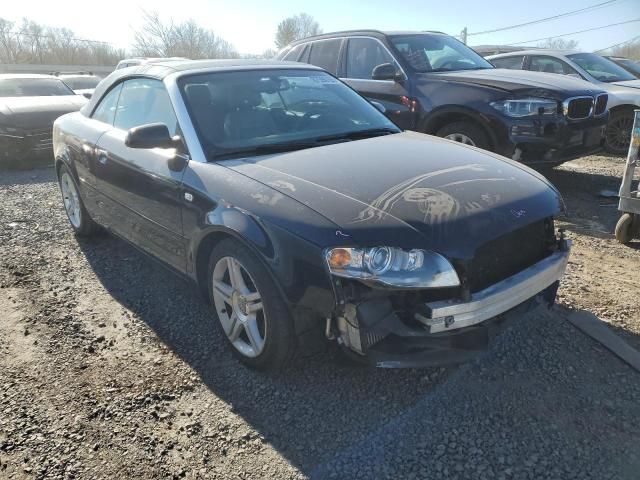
x=631, y=65
x=601, y=68
x=81, y=83
x=263, y=111
x=437, y=53
x=33, y=87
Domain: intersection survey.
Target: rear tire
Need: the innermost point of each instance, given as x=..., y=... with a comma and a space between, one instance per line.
x=627, y=227
x=465, y=132
x=250, y=309
x=618, y=133
x=79, y=218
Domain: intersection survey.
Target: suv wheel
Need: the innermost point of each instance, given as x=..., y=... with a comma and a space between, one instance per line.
x=465, y=132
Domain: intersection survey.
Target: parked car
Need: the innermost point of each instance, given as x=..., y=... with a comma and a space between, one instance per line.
x=28, y=106
x=82, y=83
x=631, y=66
x=432, y=83
x=623, y=88
x=300, y=210
x=135, y=61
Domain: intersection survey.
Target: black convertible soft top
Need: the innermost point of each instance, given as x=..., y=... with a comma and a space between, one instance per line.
x=162, y=69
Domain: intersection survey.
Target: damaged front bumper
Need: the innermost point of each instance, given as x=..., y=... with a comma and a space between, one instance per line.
x=451, y=331
x=16, y=144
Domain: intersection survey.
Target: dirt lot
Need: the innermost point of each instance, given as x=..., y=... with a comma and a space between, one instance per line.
x=111, y=367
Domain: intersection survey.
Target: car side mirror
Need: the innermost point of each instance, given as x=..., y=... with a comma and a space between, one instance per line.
x=379, y=106
x=152, y=135
x=386, y=71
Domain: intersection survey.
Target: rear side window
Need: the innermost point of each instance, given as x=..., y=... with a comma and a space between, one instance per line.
x=550, y=65
x=513, y=63
x=325, y=54
x=144, y=101
x=294, y=53
x=106, y=109
x=365, y=54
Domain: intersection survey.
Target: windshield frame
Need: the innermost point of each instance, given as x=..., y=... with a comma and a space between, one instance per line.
x=392, y=38
x=212, y=150
x=608, y=62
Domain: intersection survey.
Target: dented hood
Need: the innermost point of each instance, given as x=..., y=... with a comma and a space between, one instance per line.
x=409, y=190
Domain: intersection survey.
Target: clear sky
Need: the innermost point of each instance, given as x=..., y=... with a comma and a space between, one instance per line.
x=250, y=24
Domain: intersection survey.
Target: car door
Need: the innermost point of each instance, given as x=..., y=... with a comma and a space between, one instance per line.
x=84, y=149
x=363, y=54
x=143, y=193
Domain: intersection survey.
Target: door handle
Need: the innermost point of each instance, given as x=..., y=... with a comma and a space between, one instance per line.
x=103, y=156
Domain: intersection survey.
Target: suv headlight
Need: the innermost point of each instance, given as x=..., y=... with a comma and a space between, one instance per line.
x=524, y=107
x=393, y=267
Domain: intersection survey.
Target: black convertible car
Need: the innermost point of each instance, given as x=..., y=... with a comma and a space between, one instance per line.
x=303, y=213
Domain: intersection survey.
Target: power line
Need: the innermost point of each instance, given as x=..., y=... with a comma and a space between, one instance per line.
x=617, y=44
x=533, y=22
x=575, y=33
x=39, y=35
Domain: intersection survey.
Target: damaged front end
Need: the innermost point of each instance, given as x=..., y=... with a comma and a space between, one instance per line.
x=407, y=326
x=18, y=143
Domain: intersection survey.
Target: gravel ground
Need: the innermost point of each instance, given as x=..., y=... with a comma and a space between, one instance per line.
x=111, y=366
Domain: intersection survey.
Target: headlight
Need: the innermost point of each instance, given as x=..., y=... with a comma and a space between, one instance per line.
x=524, y=107
x=393, y=267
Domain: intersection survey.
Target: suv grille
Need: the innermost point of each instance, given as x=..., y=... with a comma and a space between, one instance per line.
x=601, y=104
x=579, y=107
x=507, y=255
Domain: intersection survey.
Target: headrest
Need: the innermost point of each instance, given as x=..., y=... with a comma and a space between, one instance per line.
x=245, y=97
x=198, y=94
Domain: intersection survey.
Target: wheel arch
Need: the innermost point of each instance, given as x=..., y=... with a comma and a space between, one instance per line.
x=450, y=114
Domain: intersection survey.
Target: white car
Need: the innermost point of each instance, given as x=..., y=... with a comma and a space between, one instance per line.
x=623, y=88
x=135, y=61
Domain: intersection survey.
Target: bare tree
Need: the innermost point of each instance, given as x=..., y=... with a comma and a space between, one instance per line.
x=628, y=50
x=559, y=44
x=187, y=39
x=296, y=27
x=31, y=42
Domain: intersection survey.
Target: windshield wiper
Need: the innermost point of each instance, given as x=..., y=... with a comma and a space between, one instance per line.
x=357, y=134
x=259, y=150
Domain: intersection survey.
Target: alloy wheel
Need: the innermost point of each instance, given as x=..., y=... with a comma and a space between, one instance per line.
x=239, y=306
x=71, y=200
x=618, y=133
x=461, y=138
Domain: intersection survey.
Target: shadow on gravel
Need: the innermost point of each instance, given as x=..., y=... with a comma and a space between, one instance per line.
x=309, y=413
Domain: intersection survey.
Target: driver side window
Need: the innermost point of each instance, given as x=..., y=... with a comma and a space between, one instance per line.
x=365, y=54
x=143, y=101
x=106, y=109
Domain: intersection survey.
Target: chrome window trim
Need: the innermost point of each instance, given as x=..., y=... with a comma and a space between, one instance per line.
x=565, y=106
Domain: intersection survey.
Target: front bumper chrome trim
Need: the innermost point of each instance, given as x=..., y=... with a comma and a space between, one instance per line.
x=447, y=315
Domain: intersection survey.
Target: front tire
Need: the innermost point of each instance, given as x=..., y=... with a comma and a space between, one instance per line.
x=465, y=132
x=80, y=220
x=617, y=136
x=251, y=311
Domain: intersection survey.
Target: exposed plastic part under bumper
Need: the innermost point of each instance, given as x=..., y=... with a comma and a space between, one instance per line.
x=452, y=332
x=447, y=315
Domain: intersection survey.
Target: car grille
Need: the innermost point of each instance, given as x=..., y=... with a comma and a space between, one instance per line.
x=509, y=254
x=578, y=108
x=601, y=104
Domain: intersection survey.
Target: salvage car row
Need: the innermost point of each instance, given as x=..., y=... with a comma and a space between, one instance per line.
x=304, y=213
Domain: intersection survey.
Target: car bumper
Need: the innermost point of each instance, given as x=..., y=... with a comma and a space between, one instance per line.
x=551, y=141
x=453, y=331
x=14, y=147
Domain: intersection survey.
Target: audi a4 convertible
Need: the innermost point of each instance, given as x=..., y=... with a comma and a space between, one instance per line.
x=304, y=215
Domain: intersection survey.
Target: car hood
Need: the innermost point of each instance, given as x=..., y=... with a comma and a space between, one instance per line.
x=37, y=112
x=629, y=83
x=409, y=190
x=518, y=80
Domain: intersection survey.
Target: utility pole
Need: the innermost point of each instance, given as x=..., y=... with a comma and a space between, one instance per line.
x=463, y=35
